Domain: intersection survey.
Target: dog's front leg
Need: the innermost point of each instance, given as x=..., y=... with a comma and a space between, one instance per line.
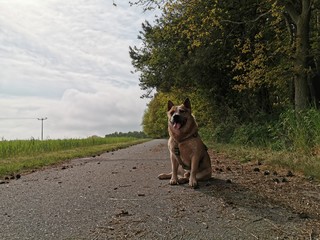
x=174, y=166
x=194, y=169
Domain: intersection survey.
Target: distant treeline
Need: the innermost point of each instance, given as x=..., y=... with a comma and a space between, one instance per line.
x=135, y=134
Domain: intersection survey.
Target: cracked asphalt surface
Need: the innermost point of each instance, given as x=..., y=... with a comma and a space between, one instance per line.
x=117, y=196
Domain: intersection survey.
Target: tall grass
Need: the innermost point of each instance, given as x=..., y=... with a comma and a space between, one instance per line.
x=291, y=140
x=292, y=131
x=297, y=131
x=25, y=155
x=18, y=148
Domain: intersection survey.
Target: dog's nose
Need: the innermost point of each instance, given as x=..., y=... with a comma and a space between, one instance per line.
x=176, y=118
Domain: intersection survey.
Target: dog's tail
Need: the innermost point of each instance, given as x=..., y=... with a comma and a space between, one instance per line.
x=164, y=176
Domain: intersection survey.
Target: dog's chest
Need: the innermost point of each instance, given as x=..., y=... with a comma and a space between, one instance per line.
x=183, y=156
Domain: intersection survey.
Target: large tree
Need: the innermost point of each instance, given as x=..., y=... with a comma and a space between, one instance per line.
x=267, y=43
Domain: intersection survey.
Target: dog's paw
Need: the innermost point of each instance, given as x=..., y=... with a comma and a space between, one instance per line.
x=193, y=183
x=173, y=181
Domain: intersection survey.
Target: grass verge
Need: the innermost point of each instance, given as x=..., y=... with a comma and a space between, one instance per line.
x=307, y=164
x=19, y=162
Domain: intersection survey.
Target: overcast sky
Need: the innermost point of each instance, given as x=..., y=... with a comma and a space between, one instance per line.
x=68, y=60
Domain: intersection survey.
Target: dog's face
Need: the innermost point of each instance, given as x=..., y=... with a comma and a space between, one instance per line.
x=178, y=115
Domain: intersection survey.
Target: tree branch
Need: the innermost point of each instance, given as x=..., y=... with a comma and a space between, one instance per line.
x=250, y=21
x=292, y=12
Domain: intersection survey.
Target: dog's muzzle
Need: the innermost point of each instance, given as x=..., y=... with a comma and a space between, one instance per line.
x=177, y=121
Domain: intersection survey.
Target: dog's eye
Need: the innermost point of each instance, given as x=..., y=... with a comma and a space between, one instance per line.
x=182, y=111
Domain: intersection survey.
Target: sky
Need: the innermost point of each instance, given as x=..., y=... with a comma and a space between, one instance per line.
x=68, y=61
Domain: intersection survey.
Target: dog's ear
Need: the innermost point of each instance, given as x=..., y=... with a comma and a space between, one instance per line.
x=170, y=105
x=187, y=103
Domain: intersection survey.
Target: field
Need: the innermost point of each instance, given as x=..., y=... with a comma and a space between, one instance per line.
x=26, y=155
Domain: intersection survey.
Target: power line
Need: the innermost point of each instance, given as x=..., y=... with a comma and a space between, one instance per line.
x=24, y=118
x=15, y=118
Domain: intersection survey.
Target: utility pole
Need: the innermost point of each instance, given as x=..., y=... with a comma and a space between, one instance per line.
x=42, y=119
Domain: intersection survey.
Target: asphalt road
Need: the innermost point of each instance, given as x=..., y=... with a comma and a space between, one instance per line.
x=118, y=196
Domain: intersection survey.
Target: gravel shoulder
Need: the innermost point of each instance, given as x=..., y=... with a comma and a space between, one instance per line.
x=117, y=196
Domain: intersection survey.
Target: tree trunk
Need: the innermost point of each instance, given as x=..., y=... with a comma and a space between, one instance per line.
x=301, y=20
x=302, y=55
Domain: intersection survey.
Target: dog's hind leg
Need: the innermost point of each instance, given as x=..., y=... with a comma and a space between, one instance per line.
x=204, y=175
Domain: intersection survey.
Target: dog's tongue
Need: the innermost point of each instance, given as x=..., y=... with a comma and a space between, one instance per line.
x=177, y=125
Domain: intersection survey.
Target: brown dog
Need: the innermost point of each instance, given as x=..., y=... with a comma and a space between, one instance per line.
x=186, y=148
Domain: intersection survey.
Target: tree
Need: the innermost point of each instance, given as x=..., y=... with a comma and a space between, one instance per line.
x=263, y=65
x=154, y=119
x=200, y=25
x=248, y=59
x=299, y=12
x=183, y=49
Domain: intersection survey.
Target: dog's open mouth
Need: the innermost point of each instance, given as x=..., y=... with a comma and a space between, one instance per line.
x=177, y=125
x=177, y=121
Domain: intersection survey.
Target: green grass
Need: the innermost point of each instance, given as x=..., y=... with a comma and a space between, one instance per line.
x=25, y=155
x=289, y=140
x=301, y=162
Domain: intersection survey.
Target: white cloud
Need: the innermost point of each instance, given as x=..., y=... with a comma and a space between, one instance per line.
x=68, y=61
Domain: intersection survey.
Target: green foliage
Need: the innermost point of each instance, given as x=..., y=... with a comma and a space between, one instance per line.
x=297, y=130
x=155, y=119
x=293, y=131
x=18, y=156
x=215, y=49
x=228, y=45
x=244, y=65
x=251, y=134
x=243, y=133
x=237, y=62
x=171, y=57
x=155, y=122
x=9, y=149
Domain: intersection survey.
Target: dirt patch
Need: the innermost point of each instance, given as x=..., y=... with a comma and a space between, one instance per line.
x=276, y=187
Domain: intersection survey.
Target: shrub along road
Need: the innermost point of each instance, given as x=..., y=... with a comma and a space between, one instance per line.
x=117, y=196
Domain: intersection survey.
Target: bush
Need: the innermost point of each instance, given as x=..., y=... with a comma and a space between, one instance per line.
x=252, y=134
x=299, y=131
x=293, y=131
x=223, y=132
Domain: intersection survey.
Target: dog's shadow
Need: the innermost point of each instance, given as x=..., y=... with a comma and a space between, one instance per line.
x=239, y=196
x=231, y=192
